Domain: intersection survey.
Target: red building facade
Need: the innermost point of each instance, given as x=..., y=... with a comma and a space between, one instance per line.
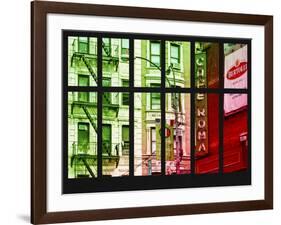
x=235, y=118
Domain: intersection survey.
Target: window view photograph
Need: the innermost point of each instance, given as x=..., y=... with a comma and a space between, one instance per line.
x=155, y=112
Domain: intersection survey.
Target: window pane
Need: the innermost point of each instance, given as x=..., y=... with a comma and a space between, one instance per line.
x=206, y=133
x=207, y=65
x=82, y=59
x=175, y=51
x=235, y=155
x=155, y=100
x=125, y=43
x=83, y=80
x=114, y=66
x=125, y=140
x=145, y=72
x=106, y=82
x=147, y=137
x=83, y=44
x=174, y=61
x=83, y=39
x=125, y=83
x=177, y=64
x=115, y=120
x=235, y=66
x=155, y=48
x=125, y=98
x=155, y=60
x=82, y=135
x=177, y=133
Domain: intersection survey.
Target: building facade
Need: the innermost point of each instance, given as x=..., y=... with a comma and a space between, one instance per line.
x=82, y=107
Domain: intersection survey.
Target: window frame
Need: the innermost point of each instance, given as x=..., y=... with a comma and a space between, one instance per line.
x=84, y=42
x=151, y=91
x=152, y=64
x=177, y=66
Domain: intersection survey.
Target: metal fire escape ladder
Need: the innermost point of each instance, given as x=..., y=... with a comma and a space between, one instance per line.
x=84, y=157
x=107, y=52
x=89, y=67
x=90, y=118
x=88, y=167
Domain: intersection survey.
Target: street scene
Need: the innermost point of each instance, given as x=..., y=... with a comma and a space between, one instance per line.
x=149, y=99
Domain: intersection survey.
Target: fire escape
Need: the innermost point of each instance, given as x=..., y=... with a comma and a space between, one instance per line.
x=89, y=160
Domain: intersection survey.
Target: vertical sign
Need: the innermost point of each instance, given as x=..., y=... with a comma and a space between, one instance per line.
x=201, y=107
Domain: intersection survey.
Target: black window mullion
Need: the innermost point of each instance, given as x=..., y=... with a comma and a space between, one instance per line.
x=163, y=106
x=221, y=105
x=192, y=108
x=131, y=107
x=99, y=113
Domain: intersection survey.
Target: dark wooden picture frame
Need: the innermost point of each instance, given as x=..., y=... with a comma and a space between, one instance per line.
x=39, y=11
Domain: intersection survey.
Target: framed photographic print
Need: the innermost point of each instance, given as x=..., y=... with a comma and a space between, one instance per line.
x=142, y=112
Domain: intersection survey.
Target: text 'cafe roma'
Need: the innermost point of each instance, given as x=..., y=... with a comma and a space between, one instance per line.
x=235, y=118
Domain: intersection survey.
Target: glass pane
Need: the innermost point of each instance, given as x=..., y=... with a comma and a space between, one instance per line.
x=177, y=64
x=82, y=136
x=125, y=43
x=235, y=66
x=83, y=44
x=106, y=47
x=206, y=65
x=106, y=82
x=82, y=60
x=147, y=65
x=115, y=149
x=155, y=48
x=83, y=39
x=125, y=98
x=83, y=80
x=125, y=140
x=206, y=133
x=155, y=98
x=155, y=59
x=147, y=137
x=175, y=53
x=83, y=47
x=114, y=67
x=235, y=156
x=177, y=133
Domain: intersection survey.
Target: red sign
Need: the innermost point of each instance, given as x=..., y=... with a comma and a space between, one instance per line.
x=236, y=71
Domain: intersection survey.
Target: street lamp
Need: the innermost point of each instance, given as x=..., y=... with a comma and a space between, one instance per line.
x=175, y=106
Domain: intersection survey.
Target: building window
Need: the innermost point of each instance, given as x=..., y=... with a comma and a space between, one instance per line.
x=106, y=44
x=125, y=95
x=106, y=139
x=83, y=44
x=125, y=140
x=155, y=53
x=83, y=137
x=83, y=80
x=106, y=82
x=175, y=55
x=153, y=140
x=124, y=48
x=155, y=98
